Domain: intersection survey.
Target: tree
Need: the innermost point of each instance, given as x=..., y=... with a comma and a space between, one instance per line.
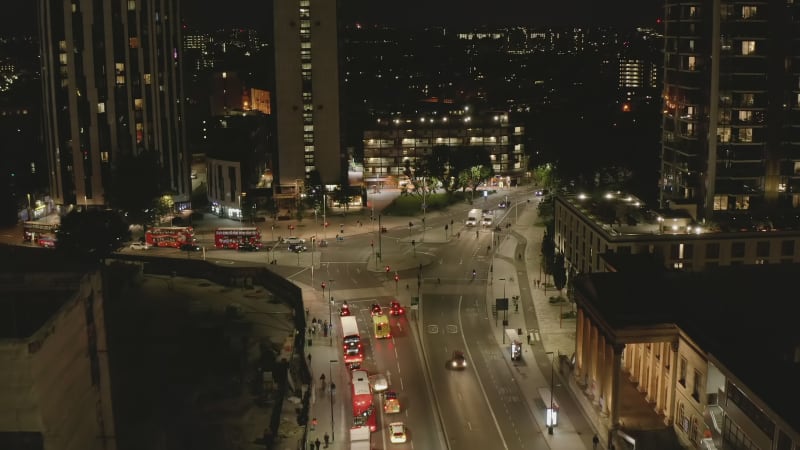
x=559, y=272
x=126, y=191
x=91, y=236
x=548, y=252
x=473, y=177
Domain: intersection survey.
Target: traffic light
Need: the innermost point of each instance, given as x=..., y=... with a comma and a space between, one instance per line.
x=387, y=269
x=396, y=278
x=323, y=285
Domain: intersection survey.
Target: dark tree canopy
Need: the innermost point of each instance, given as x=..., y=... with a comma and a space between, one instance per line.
x=136, y=186
x=90, y=236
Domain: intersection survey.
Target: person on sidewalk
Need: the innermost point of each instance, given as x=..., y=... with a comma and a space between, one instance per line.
x=317, y=443
x=327, y=439
x=595, y=441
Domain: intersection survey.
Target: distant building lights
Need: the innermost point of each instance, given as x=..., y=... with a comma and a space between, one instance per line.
x=582, y=196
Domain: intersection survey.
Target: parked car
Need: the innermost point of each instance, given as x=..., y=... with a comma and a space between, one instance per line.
x=376, y=309
x=140, y=246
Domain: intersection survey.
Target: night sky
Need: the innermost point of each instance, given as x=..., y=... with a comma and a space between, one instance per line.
x=19, y=16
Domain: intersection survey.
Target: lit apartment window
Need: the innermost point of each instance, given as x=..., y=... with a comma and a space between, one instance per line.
x=748, y=47
x=62, y=45
x=745, y=135
x=147, y=78
x=745, y=116
x=101, y=108
x=104, y=156
x=62, y=58
x=749, y=12
x=691, y=63
x=131, y=5
x=748, y=99
x=138, y=104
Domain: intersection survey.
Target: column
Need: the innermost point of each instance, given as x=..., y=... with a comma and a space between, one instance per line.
x=614, y=397
x=579, y=343
x=673, y=372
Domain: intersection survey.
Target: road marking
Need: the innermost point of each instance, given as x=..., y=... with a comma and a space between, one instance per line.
x=433, y=329
x=452, y=329
x=480, y=383
x=469, y=425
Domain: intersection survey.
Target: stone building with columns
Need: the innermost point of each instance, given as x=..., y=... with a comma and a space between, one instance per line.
x=669, y=359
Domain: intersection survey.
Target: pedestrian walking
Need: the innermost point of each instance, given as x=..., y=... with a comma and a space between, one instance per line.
x=333, y=389
x=309, y=359
x=327, y=439
x=306, y=313
x=595, y=441
x=317, y=443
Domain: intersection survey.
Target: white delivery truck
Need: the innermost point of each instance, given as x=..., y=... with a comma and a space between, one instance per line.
x=473, y=217
x=359, y=438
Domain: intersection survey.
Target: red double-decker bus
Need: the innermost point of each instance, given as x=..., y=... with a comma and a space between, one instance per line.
x=169, y=236
x=37, y=232
x=363, y=409
x=233, y=237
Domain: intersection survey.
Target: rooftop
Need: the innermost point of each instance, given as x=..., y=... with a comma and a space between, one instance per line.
x=737, y=314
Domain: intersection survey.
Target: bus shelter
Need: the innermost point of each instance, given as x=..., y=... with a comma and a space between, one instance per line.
x=550, y=405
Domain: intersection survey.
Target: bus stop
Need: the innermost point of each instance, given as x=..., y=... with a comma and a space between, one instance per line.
x=551, y=406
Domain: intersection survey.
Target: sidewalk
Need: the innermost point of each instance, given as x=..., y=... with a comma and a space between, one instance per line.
x=545, y=335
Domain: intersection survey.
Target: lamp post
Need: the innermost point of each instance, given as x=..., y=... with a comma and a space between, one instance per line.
x=330, y=310
x=504, y=286
x=551, y=417
x=330, y=374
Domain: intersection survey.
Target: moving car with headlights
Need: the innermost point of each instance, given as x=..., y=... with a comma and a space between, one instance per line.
x=297, y=248
x=397, y=433
x=395, y=309
x=294, y=240
x=379, y=382
x=344, y=310
x=140, y=246
x=459, y=361
x=376, y=309
x=391, y=404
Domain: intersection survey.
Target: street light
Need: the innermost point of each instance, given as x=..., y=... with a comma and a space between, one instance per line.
x=551, y=414
x=330, y=374
x=396, y=279
x=330, y=310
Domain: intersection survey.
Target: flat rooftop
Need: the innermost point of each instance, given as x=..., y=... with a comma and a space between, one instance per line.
x=737, y=314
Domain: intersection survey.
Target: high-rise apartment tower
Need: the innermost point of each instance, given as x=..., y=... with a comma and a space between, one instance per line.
x=111, y=86
x=307, y=92
x=731, y=121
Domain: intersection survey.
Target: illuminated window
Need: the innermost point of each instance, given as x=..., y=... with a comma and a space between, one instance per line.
x=133, y=42
x=692, y=63
x=147, y=78
x=120, y=80
x=749, y=12
x=62, y=58
x=745, y=135
x=101, y=108
x=104, y=156
x=119, y=68
x=131, y=5
x=748, y=47
x=62, y=45
x=745, y=116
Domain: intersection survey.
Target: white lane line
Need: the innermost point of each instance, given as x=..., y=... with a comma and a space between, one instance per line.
x=480, y=383
x=401, y=384
x=469, y=425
